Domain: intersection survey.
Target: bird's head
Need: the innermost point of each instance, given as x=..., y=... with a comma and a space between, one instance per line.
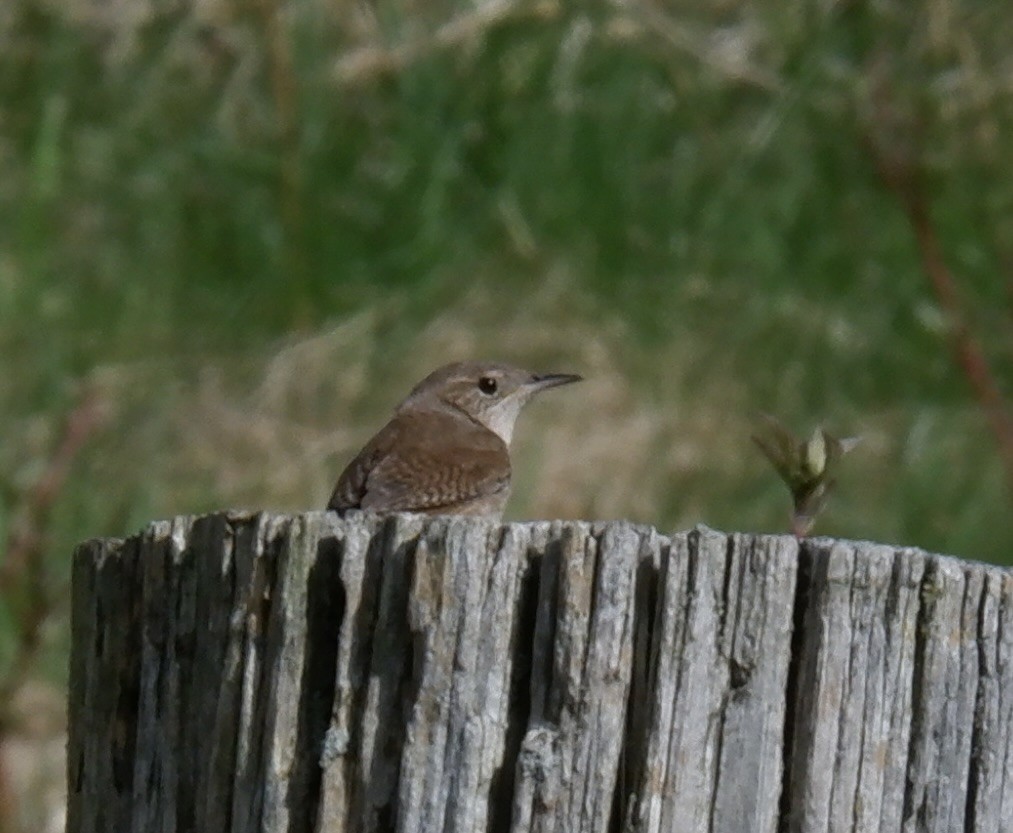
x=489, y=393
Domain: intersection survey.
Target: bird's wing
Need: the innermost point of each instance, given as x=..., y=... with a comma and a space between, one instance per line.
x=351, y=486
x=424, y=462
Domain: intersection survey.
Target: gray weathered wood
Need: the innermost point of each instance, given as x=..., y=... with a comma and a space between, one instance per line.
x=309, y=673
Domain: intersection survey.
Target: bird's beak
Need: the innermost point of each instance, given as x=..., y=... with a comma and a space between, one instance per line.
x=544, y=381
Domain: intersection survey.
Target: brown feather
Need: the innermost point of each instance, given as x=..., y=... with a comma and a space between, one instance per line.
x=424, y=462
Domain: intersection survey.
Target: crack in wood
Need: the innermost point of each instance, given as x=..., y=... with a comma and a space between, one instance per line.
x=316, y=674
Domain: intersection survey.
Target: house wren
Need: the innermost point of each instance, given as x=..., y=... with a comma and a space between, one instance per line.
x=447, y=449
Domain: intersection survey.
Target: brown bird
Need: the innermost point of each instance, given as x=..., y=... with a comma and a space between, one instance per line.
x=447, y=449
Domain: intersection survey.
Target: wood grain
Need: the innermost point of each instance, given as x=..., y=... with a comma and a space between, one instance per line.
x=253, y=672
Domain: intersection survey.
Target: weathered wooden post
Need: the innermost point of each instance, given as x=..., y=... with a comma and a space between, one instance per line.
x=316, y=675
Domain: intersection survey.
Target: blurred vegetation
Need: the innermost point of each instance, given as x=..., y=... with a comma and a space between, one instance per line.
x=245, y=229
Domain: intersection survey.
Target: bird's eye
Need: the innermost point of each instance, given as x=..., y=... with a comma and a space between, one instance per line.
x=487, y=385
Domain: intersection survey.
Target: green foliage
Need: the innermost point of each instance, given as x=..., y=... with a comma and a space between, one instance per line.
x=181, y=191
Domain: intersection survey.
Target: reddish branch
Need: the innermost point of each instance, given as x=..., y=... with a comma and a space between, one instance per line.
x=23, y=568
x=967, y=349
x=284, y=85
x=26, y=540
x=899, y=172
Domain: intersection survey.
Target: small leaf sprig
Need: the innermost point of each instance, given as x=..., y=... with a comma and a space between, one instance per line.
x=806, y=466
